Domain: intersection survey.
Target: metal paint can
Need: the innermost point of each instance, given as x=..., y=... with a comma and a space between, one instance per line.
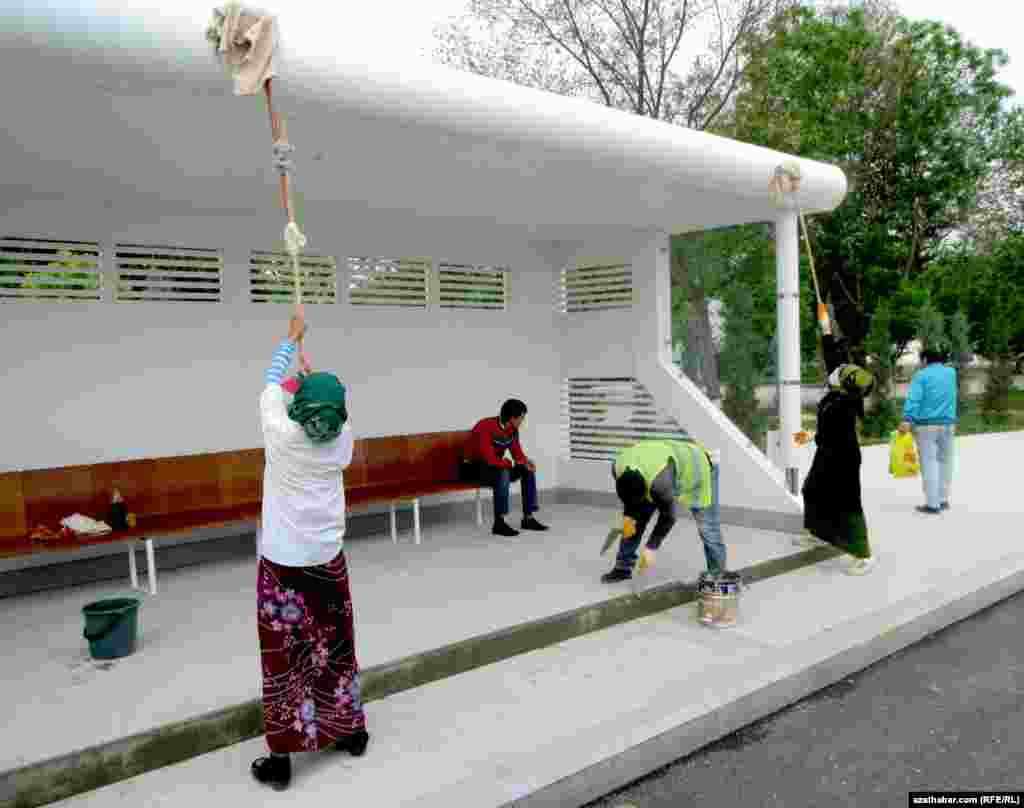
x=718, y=599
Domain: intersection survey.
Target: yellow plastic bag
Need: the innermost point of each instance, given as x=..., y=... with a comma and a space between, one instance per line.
x=903, y=459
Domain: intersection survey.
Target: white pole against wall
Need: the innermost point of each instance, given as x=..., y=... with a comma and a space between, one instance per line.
x=787, y=275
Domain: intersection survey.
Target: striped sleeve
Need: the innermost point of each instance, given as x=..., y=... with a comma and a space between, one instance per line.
x=280, y=363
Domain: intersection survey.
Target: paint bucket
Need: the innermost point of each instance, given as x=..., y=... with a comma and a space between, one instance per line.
x=111, y=627
x=718, y=599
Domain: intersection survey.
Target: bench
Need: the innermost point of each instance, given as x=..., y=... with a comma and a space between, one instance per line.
x=172, y=496
x=405, y=468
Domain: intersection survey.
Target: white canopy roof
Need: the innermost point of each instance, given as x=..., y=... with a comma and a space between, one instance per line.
x=129, y=106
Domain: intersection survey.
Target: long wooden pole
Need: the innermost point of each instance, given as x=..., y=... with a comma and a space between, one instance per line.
x=279, y=135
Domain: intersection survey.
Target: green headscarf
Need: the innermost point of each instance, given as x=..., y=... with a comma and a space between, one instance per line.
x=319, y=406
x=852, y=380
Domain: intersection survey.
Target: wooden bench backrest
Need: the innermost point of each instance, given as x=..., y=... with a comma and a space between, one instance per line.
x=217, y=480
x=153, y=486
x=426, y=457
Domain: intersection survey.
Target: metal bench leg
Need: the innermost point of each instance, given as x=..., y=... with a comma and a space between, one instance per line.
x=416, y=519
x=132, y=569
x=394, y=525
x=479, y=509
x=151, y=566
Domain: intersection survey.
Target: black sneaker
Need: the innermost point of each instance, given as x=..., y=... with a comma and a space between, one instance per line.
x=529, y=523
x=501, y=528
x=927, y=509
x=274, y=771
x=616, y=575
x=354, y=744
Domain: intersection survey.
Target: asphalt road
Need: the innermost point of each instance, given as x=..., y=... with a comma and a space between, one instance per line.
x=945, y=714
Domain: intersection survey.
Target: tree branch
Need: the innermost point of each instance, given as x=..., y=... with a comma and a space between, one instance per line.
x=583, y=59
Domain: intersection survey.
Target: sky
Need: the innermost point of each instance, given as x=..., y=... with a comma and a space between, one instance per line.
x=986, y=23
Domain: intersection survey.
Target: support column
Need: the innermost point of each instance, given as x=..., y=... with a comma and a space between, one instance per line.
x=652, y=291
x=787, y=280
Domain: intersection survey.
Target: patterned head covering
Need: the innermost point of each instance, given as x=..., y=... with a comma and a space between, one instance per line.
x=319, y=406
x=852, y=380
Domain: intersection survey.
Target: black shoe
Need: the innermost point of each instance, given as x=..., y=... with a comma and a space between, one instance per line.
x=354, y=744
x=944, y=506
x=616, y=575
x=274, y=771
x=529, y=523
x=501, y=528
x=927, y=509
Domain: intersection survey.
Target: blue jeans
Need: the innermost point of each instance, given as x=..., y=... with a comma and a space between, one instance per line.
x=709, y=527
x=500, y=480
x=935, y=448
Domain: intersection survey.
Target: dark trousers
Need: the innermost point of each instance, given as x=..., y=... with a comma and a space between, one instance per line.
x=500, y=480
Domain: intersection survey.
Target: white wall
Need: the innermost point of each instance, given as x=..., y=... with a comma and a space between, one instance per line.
x=102, y=381
x=638, y=344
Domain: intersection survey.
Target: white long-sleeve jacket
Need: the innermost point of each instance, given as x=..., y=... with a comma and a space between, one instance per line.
x=303, y=521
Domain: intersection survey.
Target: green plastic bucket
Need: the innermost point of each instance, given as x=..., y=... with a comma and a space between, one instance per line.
x=111, y=627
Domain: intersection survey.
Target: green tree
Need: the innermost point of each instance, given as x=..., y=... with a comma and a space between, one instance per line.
x=931, y=329
x=740, y=369
x=881, y=415
x=995, y=401
x=982, y=284
x=960, y=352
x=909, y=110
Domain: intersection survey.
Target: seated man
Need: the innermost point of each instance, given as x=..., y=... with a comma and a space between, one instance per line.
x=654, y=475
x=484, y=461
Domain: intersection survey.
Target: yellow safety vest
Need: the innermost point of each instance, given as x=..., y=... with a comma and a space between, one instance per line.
x=693, y=468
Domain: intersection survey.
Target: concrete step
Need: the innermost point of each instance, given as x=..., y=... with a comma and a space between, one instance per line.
x=116, y=760
x=567, y=723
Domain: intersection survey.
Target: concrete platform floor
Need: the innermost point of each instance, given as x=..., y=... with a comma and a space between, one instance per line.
x=198, y=650
x=551, y=727
x=565, y=724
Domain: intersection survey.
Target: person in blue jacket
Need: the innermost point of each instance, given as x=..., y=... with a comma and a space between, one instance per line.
x=930, y=413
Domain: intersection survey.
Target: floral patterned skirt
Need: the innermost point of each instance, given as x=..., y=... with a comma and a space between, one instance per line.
x=311, y=691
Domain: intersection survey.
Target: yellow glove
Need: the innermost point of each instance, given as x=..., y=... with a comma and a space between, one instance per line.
x=646, y=560
x=628, y=527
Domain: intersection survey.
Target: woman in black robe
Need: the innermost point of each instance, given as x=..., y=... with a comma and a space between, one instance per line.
x=832, y=501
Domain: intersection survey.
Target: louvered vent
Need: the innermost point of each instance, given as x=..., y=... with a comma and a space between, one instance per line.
x=388, y=282
x=600, y=416
x=167, y=274
x=36, y=269
x=596, y=288
x=271, y=279
x=472, y=287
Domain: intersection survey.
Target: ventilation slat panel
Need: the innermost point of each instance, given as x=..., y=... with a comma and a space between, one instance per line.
x=49, y=270
x=167, y=274
x=600, y=287
x=271, y=278
x=601, y=416
x=463, y=286
x=389, y=282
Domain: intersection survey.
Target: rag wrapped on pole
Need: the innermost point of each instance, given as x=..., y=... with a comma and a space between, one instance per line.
x=784, y=185
x=245, y=41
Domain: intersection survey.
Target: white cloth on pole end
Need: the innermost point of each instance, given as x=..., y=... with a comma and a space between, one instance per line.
x=248, y=45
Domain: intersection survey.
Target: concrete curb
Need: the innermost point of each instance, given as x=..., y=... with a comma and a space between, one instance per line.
x=92, y=768
x=620, y=770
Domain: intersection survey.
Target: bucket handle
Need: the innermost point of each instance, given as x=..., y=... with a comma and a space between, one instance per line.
x=99, y=635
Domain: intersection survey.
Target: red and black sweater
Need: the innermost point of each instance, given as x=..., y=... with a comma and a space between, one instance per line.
x=489, y=441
